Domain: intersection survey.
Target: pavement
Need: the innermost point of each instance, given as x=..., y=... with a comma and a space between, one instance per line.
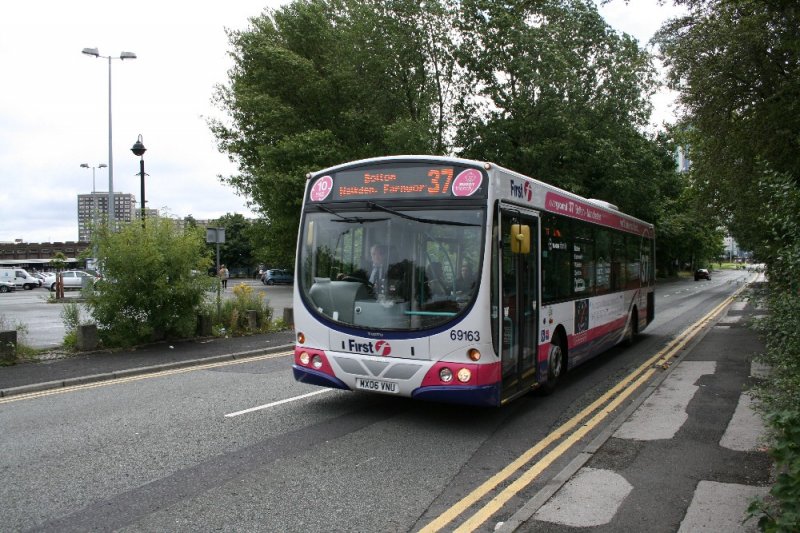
x=687, y=455
x=26, y=377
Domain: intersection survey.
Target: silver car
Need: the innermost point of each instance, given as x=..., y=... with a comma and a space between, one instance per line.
x=74, y=279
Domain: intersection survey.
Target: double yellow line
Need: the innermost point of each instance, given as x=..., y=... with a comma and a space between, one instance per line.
x=565, y=436
x=138, y=377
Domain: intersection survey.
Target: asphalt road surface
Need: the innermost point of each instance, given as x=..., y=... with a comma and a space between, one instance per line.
x=243, y=447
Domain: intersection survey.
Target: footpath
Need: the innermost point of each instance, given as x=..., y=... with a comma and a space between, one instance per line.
x=688, y=455
x=28, y=377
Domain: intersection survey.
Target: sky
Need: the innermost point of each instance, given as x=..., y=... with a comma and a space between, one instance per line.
x=54, y=104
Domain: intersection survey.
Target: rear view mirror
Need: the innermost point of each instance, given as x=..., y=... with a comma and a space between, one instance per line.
x=520, y=239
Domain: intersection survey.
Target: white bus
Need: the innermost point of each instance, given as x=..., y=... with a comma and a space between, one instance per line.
x=460, y=281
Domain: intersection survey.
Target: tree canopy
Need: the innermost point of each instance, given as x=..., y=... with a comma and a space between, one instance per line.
x=736, y=65
x=544, y=88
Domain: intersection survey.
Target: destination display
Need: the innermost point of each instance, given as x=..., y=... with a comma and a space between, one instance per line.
x=402, y=181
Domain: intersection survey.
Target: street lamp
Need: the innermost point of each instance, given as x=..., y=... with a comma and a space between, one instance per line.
x=139, y=150
x=94, y=195
x=122, y=56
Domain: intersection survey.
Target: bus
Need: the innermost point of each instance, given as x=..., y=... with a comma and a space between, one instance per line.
x=495, y=284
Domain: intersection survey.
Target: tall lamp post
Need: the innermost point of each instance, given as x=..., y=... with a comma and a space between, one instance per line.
x=122, y=56
x=138, y=149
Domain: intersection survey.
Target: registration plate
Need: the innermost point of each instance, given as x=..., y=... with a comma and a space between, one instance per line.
x=377, y=385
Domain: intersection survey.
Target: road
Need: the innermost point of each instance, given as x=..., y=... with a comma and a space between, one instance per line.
x=40, y=313
x=183, y=452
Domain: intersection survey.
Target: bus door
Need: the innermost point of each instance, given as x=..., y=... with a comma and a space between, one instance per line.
x=520, y=300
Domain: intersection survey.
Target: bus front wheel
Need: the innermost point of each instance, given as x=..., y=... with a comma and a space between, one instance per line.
x=556, y=363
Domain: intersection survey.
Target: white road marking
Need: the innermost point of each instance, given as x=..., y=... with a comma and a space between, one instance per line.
x=280, y=402
x=591, y=498
x=746, y=431
x=663, y=414
x=721, y=507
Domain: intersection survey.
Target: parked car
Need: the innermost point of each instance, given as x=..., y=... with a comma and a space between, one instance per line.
x=19, y=277
x=74, y=279
x=701, y=273
x=45, y=278
x=7, y=286
x=276, y=276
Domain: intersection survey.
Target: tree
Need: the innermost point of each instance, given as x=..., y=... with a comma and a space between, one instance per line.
x=320, y=82
x=58, y=261
x=237, y=251
x=150, y=287
x=736, y=65
x=270, y=247
x=563, y=98
x=545, y=88
x=560, y=97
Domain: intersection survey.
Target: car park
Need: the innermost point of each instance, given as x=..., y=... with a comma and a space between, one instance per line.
x=7, y=286
x=702, y=273
x=75, y=279
x=276, y=276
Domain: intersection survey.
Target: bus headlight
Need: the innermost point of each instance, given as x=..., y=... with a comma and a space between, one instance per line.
x=305, y=358
x=446, y=375
x=316, y=362
x=474, y=354
x=464, y=375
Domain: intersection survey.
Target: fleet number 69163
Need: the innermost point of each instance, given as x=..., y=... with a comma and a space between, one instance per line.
x=465, y=335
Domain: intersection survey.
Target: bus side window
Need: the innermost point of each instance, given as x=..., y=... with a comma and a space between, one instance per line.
x=557, y=272
x=634, y=265
x=618, y=260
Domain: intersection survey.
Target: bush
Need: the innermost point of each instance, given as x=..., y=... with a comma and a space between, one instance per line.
x=781, y=512
x=149, y=290
x=71, y=317
x=781, y=397
x=23, y=351
x=234, y=312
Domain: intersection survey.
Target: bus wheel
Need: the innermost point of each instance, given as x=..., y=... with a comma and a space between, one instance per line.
x=633, y=330
x=556, y=363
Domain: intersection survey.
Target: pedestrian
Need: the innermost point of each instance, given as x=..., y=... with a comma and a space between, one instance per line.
x=224, y=275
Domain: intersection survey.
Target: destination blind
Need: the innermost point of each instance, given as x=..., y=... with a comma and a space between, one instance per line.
x=400, y=181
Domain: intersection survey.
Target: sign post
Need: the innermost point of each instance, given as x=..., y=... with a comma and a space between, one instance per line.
x=217, y=236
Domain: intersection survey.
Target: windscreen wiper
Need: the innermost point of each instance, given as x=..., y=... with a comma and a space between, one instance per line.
x=357, y=220
x=373, y=205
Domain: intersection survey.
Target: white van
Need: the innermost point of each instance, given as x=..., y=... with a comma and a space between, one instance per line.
x=19, y=277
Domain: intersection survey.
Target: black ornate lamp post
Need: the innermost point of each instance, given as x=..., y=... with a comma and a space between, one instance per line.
x=139, y=149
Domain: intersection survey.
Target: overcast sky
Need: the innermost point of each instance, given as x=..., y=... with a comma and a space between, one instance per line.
x=54, y=104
